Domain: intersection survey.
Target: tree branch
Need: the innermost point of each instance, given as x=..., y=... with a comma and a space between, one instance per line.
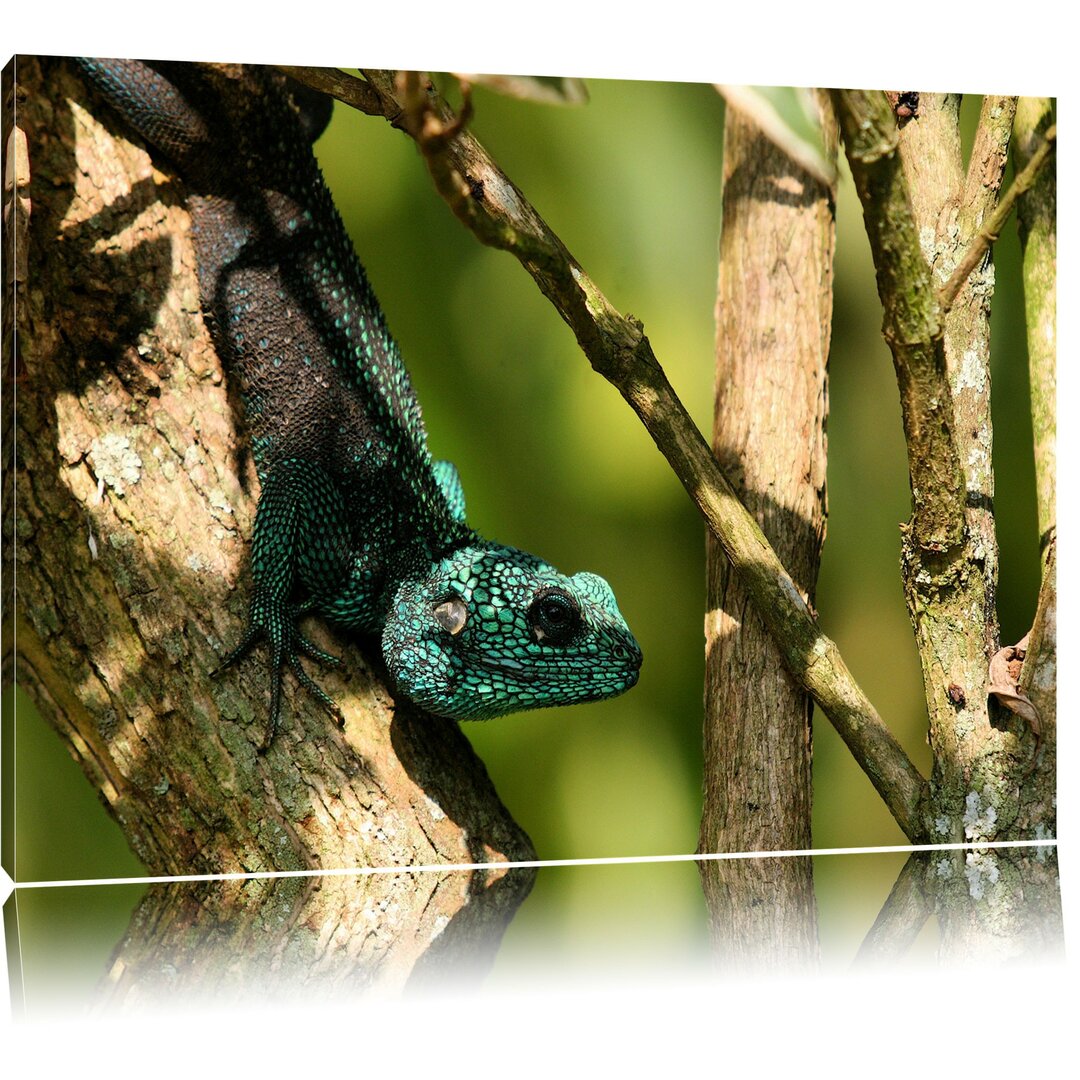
x=488, y=202
x=912, y=320
x=921, y=215
x=773, y=320
x=347, y=89
x=1037, y=223
x=989, y=156
x=978, y=248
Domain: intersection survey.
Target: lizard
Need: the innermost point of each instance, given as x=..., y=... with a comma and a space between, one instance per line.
x=355, y=521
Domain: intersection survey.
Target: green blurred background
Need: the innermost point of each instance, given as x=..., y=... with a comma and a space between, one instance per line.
x=553, y=461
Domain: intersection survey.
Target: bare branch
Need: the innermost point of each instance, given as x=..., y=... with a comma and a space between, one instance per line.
x=345, y=88
x=773, y=319
x=1037, y=222
x=989, y=155
x=902, y=917
x=922, y=215
x=488, y=202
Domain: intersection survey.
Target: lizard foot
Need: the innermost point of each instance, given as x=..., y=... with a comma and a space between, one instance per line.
x=277, y=624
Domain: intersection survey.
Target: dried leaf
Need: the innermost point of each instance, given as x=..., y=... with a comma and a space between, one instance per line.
x=1005, y=669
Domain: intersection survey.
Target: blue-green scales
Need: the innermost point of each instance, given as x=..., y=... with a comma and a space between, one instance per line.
x=354, y=521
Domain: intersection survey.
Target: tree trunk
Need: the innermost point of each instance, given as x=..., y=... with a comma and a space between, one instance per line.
x=774, y=310
x=135, y=502
x=923, y=213
x=308, y=939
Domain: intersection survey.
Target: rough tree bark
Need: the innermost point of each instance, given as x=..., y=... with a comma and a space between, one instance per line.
x=983, y=786
x=134, y=507
x=773, y=313
x=994, y=770
x=923, y=211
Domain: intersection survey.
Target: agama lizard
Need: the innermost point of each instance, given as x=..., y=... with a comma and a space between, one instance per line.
x=355, y=521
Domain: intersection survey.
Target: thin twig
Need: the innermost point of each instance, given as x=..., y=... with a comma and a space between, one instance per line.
x=992, y=229
x=485, y=199
x=986, y=165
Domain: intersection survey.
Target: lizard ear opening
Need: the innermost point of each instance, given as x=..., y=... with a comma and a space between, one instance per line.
x=451, y=615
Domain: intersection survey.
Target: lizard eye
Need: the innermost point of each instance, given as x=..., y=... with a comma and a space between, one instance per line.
x=451, y=615
x=554, y=617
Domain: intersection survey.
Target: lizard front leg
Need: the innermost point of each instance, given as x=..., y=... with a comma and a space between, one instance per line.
x=300, y=512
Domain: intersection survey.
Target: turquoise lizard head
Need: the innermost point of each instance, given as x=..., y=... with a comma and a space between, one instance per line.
x=490, y=630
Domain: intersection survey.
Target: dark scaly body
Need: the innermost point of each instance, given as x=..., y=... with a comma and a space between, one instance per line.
x=355, y=521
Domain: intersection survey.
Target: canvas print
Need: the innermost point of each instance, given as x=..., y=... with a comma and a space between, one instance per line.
x=379, y=443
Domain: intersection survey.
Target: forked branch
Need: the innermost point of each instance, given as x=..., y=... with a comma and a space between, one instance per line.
x=976, y=252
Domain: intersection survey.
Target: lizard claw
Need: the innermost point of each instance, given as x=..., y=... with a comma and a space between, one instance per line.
x=277, y=624
x=313, y=687
x=251, y=635
x=308, y=649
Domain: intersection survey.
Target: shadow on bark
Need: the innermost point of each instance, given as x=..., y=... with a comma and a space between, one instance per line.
x=130, y=535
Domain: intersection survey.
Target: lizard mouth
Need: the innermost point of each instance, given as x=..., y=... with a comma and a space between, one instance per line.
x=623, y=660
x=520, y=672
